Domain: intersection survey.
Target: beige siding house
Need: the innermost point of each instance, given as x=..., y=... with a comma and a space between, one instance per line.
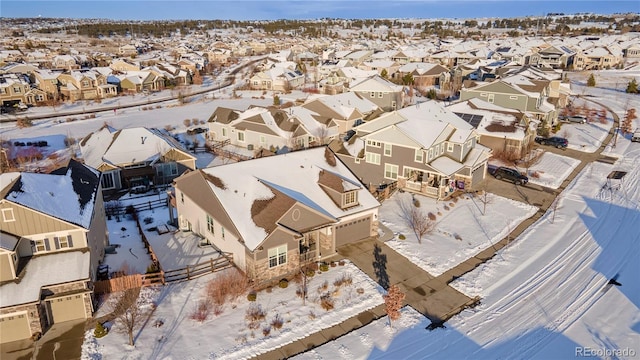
x=135, y=158
x=278, y=212
x=13, y=89
x=49, y=253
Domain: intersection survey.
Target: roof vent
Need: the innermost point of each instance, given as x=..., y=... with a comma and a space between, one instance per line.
x=143, y=138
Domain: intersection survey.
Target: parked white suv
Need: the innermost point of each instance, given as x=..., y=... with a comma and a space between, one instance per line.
x=574, y=119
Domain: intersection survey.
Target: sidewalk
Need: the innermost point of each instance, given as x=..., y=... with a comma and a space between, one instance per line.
x=430, y=295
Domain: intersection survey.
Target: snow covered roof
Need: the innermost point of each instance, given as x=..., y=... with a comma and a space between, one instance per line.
x=294, y=174
x=68, y=193
x=494, y=120
x=446, y=165
x=374, y=83
x=126, y=146
x=45, y=270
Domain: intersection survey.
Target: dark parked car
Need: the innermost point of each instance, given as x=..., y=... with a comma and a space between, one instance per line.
x=556, y=141
x=513, y=175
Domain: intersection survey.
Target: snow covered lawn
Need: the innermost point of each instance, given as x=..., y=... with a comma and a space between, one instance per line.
x=450, y=243
x=228, y=335
x=131, y=255
x=545, y=296
x=551, y=170
x=375, y=340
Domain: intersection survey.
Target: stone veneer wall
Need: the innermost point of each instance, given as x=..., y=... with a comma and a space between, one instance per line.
x=259, y=271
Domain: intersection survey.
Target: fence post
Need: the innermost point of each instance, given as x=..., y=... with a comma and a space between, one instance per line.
x=211, y=261
x=188, y=275
x=149, y=204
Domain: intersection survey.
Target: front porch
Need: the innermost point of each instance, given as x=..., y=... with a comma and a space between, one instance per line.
x=424, y=182
x=431, y=184
x=316, y=245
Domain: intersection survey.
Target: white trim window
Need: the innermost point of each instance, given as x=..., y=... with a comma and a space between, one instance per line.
x=418, y=157
x=372, y=158
x=224, y=132
x=263, y=139
x=7, y=215
x=387, y=149
x=63, y=242
x=391, y=171
x=350, y=198
x=449, y=147
x=241, y=136
x=374, y=143
x=277, y=256
x=430, y=154
x=40, y=245
x=211, y=226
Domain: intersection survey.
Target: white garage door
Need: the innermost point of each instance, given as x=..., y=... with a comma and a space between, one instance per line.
x=14, y=327
x=67, y=308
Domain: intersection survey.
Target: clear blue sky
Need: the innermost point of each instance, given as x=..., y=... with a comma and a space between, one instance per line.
x=270, y=10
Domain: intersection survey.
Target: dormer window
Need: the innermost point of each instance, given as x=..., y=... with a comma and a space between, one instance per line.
x=349, y=198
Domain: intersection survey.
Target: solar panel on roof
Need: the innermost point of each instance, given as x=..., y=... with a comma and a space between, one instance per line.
x=473, y=120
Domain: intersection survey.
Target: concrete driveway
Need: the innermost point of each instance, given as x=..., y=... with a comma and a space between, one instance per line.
x=62, y=341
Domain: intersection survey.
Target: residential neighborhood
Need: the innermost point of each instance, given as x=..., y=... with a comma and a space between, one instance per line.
x=327, y=188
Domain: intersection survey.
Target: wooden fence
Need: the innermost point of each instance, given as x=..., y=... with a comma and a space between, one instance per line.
x=197, y=270
x=128, y=282
x=116, y=210
x=121, y=283
x=381, y=193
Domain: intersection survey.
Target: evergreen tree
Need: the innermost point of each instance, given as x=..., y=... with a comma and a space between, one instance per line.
x=100, y=331
x=632, y=87
x=591, y=81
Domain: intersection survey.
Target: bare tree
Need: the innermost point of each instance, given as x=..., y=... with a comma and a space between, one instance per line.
x=128, y=312
x=417, y=220
x=393, y=302
x=485, y=199
x=627, y=122
x=322, y=134
x=421, y=224
x=554, y=207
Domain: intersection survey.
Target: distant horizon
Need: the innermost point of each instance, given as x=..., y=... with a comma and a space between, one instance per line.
x=161, y=10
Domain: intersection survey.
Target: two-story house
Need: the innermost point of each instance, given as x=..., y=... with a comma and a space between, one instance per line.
x=276, y=213
x=52, y=238
x=387, y=95
x=135, y=158
x=277, y=130
x=65, y=62
x=506, y=132
x=425, y=75
x=84, y=84
x=557, y=57
x=13, y=89
x=425, y=148
x=515, y=92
